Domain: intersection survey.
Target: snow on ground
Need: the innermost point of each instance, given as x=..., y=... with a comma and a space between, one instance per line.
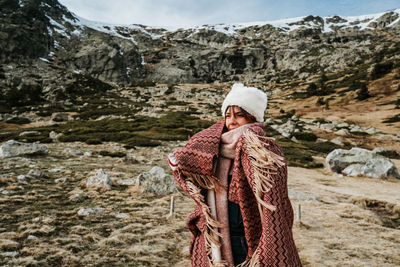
x=286, y=25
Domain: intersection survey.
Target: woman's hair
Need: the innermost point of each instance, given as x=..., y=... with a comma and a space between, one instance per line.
x=250, y=118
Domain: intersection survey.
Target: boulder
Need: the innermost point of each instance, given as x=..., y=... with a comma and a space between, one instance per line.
x=122, y=216
x=287, y=129
x=55, y=136
x=59, y=116
x=73, y=152
x=13, y=148
x=29, y=133
x=371, y=130
x=156, y=181
x=101, y=179
x=359, y=161
x=338, y=141
x=35, y=174
x=327, y=126
x=343, y=132
x=90, y=211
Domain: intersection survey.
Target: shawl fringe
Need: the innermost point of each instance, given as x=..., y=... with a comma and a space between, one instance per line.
x=265, y=164
x=211, y=235
x=204, y=181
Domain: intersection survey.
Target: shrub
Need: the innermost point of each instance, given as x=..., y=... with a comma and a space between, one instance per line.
x=390, y=154
x=320, y=101
x=93, y=141
x=112, y=154
x=305, y=136
x=311, y=89
x=363, y=93
x=380, y=69
x=395, y=118
x=18, y=120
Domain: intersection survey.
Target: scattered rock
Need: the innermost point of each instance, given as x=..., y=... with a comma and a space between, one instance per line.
x=287, y=129
x=343, y=125
x=35, y=174
x=185, y=251
x=61, y=180
x=122, y=216
x=156, y=181
x=55, y=136
x=337, y=141
x=371, y=130
x=355, y=128
x=55, y=170
x=90, y=211
x=321, y=140
x=342, y=132
x=327, y=126
x=358, y=161
x=77, y=197
x=73, y=152
x=87, y=154
x=130, y=159
x=21, y=177
x=12, y=254
x=126, y=181
x=101, y=179
x=32, y=237
x=29, y=133
x=59, y=116
x=5, y=192
x=13, y=148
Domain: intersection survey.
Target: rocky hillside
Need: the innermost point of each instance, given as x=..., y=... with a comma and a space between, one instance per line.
x=136, y=79
x=47, y=40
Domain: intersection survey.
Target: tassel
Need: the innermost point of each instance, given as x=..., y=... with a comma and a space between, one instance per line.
x=265, y=164
x=211, y=234
x=204, y=181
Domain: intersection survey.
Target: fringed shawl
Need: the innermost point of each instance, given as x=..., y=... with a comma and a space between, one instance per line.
x=259, y=186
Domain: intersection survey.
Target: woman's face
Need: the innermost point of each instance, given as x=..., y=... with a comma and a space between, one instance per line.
x=234, y=118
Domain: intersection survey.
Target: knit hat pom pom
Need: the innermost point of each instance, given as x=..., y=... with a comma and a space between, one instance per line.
x=251, y=99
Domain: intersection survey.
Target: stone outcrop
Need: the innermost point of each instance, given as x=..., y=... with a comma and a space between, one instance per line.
x=358, y=161
x=156, y=181
x=47, y=34
x=101, y=179
x=13, y=148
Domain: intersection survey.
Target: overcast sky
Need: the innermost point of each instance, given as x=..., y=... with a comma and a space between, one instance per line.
x=199, y=12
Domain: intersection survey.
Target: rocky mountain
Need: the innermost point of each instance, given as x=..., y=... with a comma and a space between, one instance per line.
x=45, y=39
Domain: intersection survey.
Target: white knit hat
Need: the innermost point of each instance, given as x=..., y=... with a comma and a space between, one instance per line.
x=251, y=99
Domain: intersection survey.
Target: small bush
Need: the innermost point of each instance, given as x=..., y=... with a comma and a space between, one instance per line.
x=93, y=141
x=363, y=93
x=112, y=154
x=395, y=118
x=320, y=101
x=270, y=131
x=390, y=154
x=305, y=136
x=18, y=120
x=320, y=148
x=381, y=69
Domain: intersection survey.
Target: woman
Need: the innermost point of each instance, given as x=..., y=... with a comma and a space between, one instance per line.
x=238, y=178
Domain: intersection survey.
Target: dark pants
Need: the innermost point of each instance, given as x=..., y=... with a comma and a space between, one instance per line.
x=236, y=228
x=239, y=249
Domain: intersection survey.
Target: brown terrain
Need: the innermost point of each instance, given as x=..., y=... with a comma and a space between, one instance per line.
x=347, y=221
